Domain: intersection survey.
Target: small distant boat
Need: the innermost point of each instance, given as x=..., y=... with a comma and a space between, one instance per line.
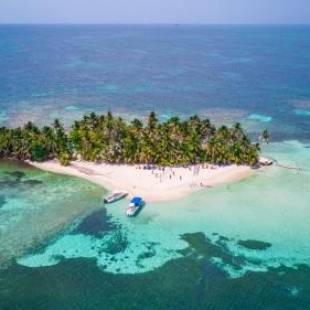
x=115, y=196
x=135, y=206
x=265, y=161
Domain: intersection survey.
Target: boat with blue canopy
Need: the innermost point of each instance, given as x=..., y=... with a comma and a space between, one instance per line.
x=135, y=205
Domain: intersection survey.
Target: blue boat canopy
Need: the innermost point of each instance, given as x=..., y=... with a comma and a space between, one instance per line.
x=136, y=200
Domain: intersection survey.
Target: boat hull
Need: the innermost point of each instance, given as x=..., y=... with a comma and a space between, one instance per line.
x=115, y=197
x=134, y=210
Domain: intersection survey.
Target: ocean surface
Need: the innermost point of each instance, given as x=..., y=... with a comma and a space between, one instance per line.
x=240, y=246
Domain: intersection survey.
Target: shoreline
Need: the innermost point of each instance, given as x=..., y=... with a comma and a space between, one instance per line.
x=153, y=185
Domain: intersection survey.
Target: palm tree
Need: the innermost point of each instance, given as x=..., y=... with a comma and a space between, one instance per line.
x=152, y=121
x=56, y=123
x=111, y=139
x=266, y=137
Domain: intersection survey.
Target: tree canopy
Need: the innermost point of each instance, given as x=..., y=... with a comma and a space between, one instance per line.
x=110, y=139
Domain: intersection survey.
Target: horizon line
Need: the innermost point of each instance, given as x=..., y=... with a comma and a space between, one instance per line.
x=152, y=24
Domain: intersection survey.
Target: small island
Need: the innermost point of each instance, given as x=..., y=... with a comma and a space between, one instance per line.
x=159, y=160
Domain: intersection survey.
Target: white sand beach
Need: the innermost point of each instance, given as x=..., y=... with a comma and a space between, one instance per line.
x=153, y=185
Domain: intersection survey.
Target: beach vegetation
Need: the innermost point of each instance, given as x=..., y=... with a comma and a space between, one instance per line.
x=110, y=139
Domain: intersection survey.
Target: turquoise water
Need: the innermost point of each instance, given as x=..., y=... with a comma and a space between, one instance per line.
x=237, y=237
x=37, y=205
x=239, y=246
x=257, y=209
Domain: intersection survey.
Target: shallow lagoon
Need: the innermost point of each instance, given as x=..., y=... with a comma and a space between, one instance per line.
x=36, y=205
x=234, y=238
x=272, y=207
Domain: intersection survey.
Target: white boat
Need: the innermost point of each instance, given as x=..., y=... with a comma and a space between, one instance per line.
x=265, y=161
x=115, y=196
x=135, y=206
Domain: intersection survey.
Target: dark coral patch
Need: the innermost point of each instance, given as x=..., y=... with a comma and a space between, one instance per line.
x=18, y=175
x=2, y=201
x=95, y=224
x=32, y=182
x=254, y=244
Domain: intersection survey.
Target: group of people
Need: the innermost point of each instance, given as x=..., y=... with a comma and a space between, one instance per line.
x=169, y=173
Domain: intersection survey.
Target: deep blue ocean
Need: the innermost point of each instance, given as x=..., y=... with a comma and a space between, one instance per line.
x=244, y=246
x=257, y=73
